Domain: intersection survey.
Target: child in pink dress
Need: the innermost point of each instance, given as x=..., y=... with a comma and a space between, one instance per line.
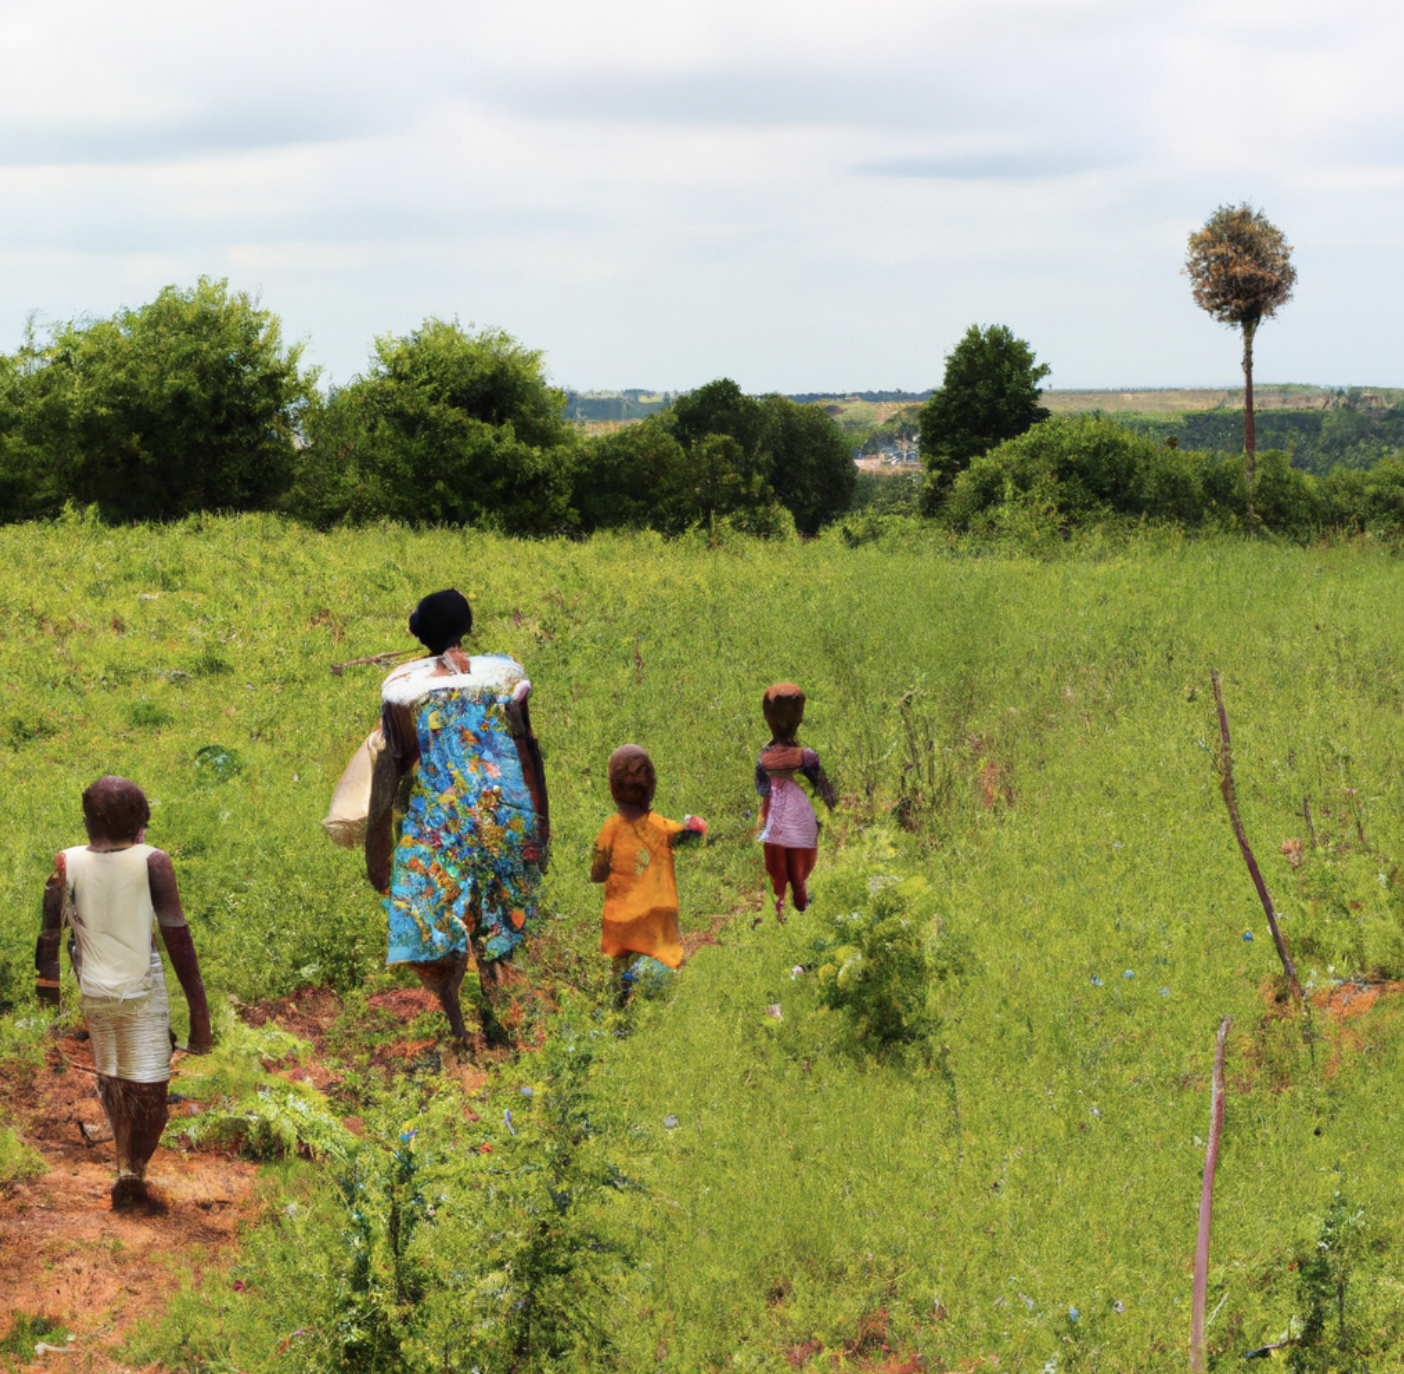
x=789, y=827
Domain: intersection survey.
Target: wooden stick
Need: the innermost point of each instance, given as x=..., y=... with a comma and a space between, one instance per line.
x=1206, y=1204
x=1231, y=801
x=374, y=658
x=1306, y=812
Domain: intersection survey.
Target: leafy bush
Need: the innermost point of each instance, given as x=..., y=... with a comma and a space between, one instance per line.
x=191, y=402
x=446, y=427
x=989, y=394
x=766, y=463
x=26, y=1331
x=251, y=1109
x=1087, y=468
x=875, y=959
x=451, y=1238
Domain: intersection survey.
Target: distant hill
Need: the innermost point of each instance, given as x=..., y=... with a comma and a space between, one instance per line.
x=1166, y=400
x=872, y=397
x=1321, y=427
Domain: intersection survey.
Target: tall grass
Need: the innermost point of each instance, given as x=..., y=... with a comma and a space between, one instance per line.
x=1034, y=736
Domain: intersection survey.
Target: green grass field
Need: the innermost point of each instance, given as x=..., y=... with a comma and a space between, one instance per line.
x=718, y=1189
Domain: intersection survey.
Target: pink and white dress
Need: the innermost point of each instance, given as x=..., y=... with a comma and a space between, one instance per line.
x=791, y=821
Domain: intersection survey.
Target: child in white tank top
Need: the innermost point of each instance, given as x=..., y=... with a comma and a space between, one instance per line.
x=112, y=892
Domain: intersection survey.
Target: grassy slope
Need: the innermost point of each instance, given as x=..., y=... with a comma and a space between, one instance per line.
x=1071, y=696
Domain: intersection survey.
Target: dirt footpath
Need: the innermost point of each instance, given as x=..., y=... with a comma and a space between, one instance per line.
x=65, y=1255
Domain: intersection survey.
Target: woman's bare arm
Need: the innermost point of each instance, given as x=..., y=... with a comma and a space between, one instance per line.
x=175, y=935
x=533, y=773
x=380, y=835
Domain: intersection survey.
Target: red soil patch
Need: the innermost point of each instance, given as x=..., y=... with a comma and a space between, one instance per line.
x=404, y=1004
x=309, y=1013
x=868, y=1351
x=696, y=939
x=1349, y=1000
x=64, y=1254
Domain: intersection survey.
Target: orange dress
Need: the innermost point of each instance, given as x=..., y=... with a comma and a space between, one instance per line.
x=641, y=893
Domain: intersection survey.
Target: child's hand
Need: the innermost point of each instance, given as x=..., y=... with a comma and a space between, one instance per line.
x=695, y=824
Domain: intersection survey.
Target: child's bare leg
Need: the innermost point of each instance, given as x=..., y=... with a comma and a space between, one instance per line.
x=618, y=968
x=137, y=1114
x=801, y=864
x=777, y=867
x=444, y=977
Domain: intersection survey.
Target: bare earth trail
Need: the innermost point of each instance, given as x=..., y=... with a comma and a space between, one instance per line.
x=66, y=1255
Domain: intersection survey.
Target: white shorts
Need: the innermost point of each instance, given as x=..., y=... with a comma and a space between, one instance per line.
x=131, y=1039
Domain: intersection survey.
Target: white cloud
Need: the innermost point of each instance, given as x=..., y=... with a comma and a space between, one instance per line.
x=802, y=195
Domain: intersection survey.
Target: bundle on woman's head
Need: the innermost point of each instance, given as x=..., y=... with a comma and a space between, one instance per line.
x=441, y=620
x=115, y=808
x=783, y=707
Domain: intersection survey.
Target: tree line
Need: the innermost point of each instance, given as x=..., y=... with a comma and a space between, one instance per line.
x=194, y=402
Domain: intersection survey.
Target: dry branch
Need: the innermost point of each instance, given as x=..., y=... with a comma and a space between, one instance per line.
x=1254, y=872
x=1206, y=1200
x=374, y=658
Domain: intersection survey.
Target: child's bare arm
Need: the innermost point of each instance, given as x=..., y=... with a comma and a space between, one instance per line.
x=600, y=862
x=694, y=828
x=175, y=935
x=46, y=948
x=819, y=780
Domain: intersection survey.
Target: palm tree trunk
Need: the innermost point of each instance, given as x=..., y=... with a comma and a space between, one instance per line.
x=1250, y=432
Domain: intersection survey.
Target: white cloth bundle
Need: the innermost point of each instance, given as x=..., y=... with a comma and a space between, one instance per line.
x=345, y=823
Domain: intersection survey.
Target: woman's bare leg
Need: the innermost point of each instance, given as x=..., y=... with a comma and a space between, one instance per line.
x=443, y=978
x=492, y=980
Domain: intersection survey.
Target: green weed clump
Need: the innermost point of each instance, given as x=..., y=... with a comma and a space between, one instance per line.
x=873, y=962
x=28, y=1329
x=1327, y=1311
x=19, y=1161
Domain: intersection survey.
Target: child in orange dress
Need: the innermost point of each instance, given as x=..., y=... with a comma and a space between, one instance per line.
x=789, y=827
x=634, y=860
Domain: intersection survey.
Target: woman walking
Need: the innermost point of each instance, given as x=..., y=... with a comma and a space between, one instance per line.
x=459, y=826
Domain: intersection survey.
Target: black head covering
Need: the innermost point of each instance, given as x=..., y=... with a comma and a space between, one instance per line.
x=441, y=620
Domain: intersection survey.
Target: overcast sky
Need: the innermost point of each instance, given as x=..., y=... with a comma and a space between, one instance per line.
x=806, y=195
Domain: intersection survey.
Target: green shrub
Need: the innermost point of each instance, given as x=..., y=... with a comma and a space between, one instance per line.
x=147, y=715
x=874, y=960
x=449, y=1239
x=190, y=402
x=1087, y=469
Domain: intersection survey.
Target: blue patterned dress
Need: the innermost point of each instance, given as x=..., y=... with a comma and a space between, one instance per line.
x=461, y=873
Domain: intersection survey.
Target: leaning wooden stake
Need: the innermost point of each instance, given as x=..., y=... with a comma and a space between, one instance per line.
x=1231, y=801
x=1206, y=1203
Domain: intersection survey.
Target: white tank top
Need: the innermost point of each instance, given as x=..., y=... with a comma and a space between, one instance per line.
x=111, y=915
